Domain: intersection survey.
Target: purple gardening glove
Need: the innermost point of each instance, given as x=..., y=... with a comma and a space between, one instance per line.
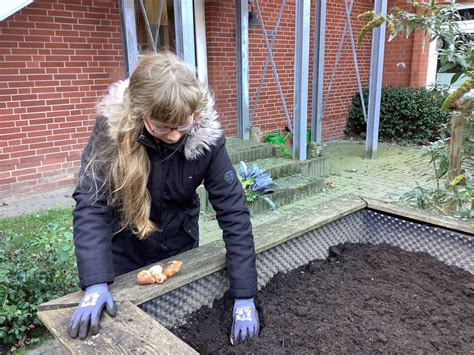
x=89, y=310
x=245, y=324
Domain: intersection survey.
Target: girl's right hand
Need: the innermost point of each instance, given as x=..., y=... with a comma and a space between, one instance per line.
x=87, y=315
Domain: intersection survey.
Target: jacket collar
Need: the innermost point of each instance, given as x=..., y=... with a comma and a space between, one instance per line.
x=147, y=139
x=199, y=140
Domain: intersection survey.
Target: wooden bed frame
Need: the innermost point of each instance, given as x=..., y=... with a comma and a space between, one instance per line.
x=133, y=330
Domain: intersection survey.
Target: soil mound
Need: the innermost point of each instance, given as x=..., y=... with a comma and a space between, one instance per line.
x=362, y=299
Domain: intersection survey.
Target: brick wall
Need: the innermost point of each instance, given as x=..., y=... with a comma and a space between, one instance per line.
x=345, y=82
x=221, y=28
x=398, y=55
x=56, y=58
x=221, y=52
x=419, y=60
x=406, y=59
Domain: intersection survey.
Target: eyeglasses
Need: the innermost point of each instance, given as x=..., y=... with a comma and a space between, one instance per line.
x=159, y=131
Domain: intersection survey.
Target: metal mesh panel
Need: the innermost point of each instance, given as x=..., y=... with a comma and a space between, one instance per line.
x=312, y=245
x=447, y=246
x=362, y=226
x=171, y=308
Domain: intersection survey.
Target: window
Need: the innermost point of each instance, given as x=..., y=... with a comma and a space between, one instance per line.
x=156, y=30
x=166, y=33
x=434, y=76
x=467, y=14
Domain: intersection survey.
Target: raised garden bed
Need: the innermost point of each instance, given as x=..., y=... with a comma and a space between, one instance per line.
x=146, y=313
x=362, y=299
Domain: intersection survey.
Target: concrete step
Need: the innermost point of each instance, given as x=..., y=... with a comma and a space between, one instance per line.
x=280, y=167
x=294, y=179
x=276, y=167
x=287, y=190
x=247, y=150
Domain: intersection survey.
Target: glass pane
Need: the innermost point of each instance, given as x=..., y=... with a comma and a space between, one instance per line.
x=445, y=77
x=466, y=14
x=166, y=34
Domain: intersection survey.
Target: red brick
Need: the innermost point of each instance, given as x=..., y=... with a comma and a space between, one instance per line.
x=28, y=177
x=32, y=102
x=22, y=154
x=34, y=140
x=40, y=145
x=7, y=181
x=31, y=161
x=5, y=174
x=14, y=31
x=8, y=91
x=24, y=172
x=35, y=134
x=6, y=131
x=50, y=167
x=10, y=137
x=21, y=24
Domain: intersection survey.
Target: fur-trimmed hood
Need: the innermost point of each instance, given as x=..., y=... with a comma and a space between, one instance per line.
x=199, y=140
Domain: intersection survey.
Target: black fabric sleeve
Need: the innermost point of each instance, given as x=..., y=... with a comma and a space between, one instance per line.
x=227, y=198
x=92, y=218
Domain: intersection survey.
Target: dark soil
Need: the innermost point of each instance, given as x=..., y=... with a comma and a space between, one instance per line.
x=362, y=299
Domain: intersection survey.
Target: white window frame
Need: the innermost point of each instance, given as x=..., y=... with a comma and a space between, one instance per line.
x=467, y=26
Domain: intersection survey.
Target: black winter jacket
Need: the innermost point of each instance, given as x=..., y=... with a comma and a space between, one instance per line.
x=176, y=172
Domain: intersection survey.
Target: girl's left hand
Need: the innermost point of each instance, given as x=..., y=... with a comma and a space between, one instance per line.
x=245, y=324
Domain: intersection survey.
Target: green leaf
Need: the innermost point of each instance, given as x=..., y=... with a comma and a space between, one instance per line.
x=446, y=67
x=456, y=77
x=410, y=27
x=270, y=203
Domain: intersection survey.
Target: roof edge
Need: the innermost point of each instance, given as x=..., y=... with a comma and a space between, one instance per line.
x=8, y=8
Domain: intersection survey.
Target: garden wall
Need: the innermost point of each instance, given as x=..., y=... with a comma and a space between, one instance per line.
x=56, y=59
x=220, y=32
x=406, y=60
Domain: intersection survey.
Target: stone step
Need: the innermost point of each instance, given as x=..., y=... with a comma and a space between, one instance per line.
x=280, y=167
x=287, y=190
x=294, y=179
x=248, y=150
x=317, y=167
x=276, y=167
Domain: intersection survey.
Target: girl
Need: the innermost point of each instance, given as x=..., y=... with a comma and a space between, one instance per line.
x=155, y=141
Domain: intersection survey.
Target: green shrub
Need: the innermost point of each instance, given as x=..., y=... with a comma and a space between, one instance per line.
x=407, y=115
x=35, y=269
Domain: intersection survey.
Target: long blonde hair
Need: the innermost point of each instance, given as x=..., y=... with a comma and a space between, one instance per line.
x=165, y=89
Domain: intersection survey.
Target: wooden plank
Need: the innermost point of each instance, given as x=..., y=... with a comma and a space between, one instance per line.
x=455, y=145
x=197, y=263
x=209, y=258
x=131, y=331
x=420, y=216
x=299, y=222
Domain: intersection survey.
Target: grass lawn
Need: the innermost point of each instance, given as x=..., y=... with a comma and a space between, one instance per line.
x=28, y=226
